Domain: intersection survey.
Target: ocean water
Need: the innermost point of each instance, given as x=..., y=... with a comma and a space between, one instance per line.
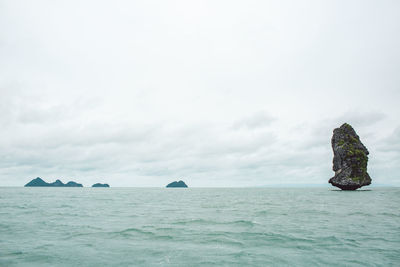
x=199, y=227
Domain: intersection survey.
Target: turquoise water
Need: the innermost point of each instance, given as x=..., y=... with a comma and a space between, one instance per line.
x=199, y=227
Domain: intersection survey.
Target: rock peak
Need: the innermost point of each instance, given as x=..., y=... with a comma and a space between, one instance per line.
x=350, y=159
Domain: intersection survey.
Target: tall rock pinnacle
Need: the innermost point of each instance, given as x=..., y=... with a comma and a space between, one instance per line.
x=350, y=159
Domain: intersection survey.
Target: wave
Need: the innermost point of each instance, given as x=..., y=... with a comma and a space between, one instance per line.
x=129, y=232
x=389, y=214
x=211, y=222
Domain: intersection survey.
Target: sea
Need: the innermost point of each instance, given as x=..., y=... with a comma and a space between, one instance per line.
x=199, y=227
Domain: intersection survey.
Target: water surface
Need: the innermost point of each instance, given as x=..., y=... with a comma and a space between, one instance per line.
x=199, y=227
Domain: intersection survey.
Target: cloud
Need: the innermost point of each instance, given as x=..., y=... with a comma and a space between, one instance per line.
x=391, y=143
x=253, y=150
x=163, y=150
x=361, y=119
x=257, y=120
x=221, y=93
x=205, y=154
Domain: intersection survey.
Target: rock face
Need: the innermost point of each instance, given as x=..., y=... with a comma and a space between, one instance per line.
x=177, y=184
x=39, y=182
x=100, y=185
x=350, y=159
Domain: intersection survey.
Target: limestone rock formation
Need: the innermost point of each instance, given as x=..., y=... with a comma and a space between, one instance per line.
x=177, y=184
x=100, y=185
x=39, y=182
x=350, y=159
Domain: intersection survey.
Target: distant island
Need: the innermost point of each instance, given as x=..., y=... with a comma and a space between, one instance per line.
x=39, y=182
x=100, y=185
x=177, y=184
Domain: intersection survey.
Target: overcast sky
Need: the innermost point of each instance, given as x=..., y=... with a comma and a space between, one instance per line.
x=217, y=93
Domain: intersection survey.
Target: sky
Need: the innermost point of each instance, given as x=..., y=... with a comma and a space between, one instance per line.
x=216, y=93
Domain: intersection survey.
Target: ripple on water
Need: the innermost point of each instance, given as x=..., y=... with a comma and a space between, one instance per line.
x=129, y=232
x=212, y=222
x=148, y=227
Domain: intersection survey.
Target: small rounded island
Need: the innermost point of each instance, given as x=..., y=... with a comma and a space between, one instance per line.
x=100, y=185
x=176, y=184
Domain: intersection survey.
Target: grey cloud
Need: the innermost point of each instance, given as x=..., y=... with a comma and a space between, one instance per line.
x=199, y=151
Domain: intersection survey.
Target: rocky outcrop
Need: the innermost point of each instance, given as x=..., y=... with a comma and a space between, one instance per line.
x=100, y=185
x=350, y=159
x=177, y=184
x=39, y=182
